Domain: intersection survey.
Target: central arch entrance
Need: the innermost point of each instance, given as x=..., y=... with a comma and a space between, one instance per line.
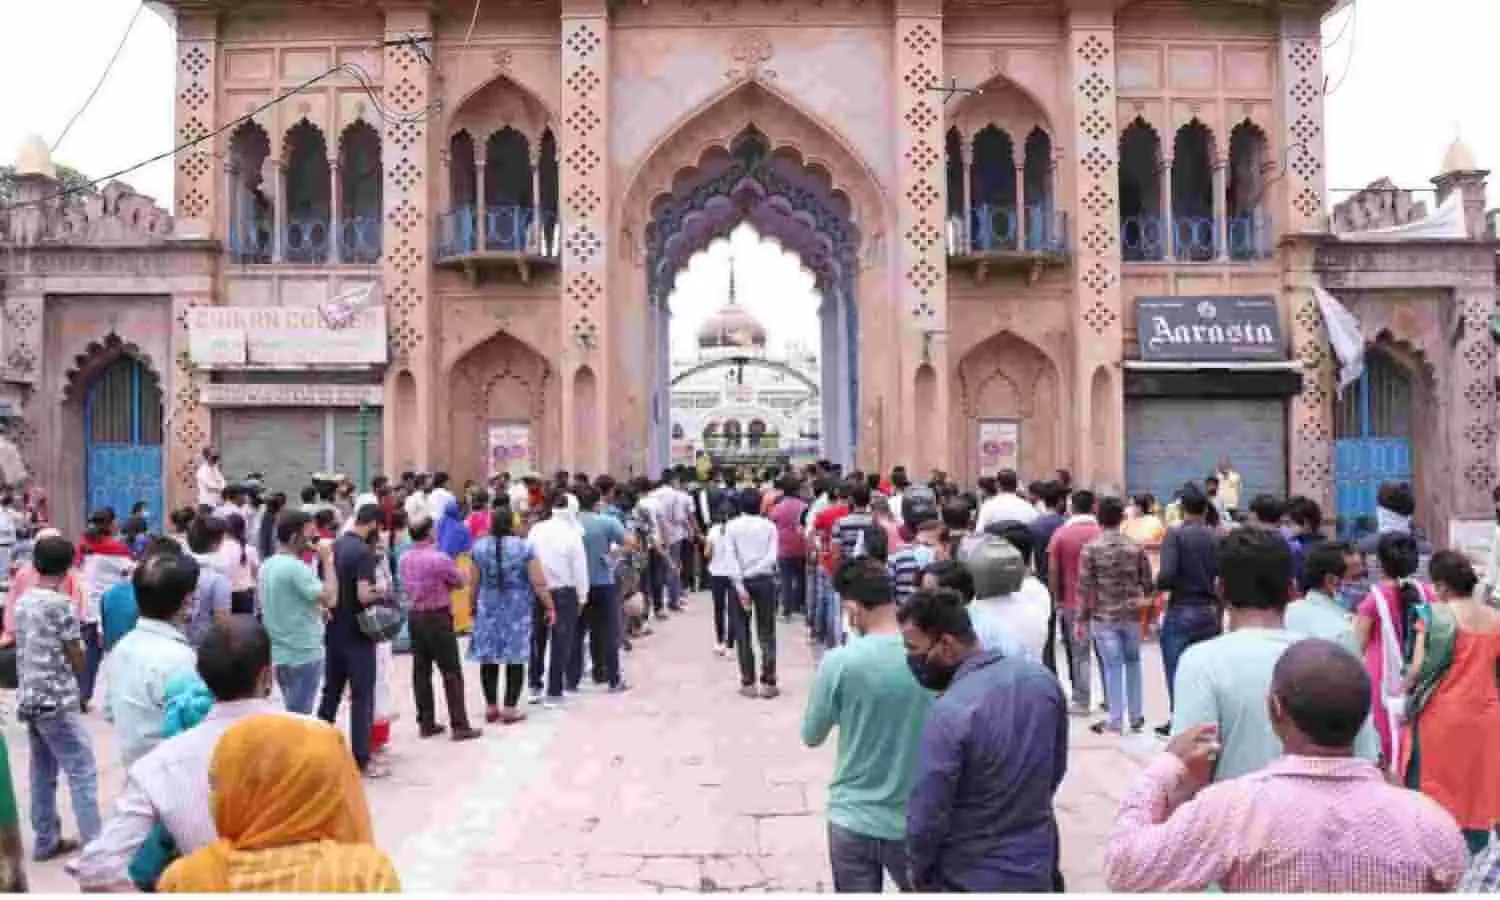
x=785, y=200
x=751, y=156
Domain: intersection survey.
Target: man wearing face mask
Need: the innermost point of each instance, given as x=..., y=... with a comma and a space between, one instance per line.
x=994, y=749
x=865, y=690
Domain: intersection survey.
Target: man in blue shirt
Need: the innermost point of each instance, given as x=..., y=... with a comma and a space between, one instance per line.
x=995, y=747
x=601, y=617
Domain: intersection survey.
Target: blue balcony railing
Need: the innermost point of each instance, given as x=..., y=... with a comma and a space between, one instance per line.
x=506, y=229
x=1195, y=239
x=354, y=240
x=999, y=229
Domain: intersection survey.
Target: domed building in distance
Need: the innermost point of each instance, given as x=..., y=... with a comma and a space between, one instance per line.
x=739, y=401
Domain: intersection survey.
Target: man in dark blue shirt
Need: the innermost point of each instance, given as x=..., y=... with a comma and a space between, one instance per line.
x=1055, y=497
x=1189, y=569
x=980, y=817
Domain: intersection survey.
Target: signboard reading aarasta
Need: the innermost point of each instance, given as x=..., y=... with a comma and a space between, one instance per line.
x=280, y=336
x=1209, y=329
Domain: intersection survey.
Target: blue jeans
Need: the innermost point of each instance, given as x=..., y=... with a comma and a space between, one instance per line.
x=93, y=655
x=860, y=862
x=350, y=661
x=1119, y=646
x=1181, y=628
x=59, y=742
x=299, y=686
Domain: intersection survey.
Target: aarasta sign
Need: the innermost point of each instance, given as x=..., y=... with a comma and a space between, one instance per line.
x=1209, y=329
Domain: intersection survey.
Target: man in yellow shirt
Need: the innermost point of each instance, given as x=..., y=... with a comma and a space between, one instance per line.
x=1231, y=485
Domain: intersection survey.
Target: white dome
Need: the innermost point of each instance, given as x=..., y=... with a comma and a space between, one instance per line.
x=35, y=158
x=1459, y=158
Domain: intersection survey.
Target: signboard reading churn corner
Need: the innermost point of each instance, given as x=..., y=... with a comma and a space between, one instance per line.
x=1209, y=329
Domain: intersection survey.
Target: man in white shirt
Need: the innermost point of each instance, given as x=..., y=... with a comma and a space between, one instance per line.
x=210, y=479
x=169, y=785
x=558, y=544
x=146, y=659
x=750, y=550
x=416, y=505
x=674, y=509
x=1006, y=506
x=439, y=498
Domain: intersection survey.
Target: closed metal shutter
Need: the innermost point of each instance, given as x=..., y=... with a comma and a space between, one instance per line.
x=285, y=445
x=346, y=440
x=1169, y=441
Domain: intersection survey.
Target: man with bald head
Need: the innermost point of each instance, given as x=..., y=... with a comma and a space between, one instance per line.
x=1319, y=819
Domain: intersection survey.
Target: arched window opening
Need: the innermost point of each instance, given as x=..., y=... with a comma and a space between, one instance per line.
x=1193, y=193
x=1249, y=236
x=1142, y=231
x=251, y=215
x=732, y=434
x=711, y=436
x=677, y=431
x=360, y=178
x=994, y=178
x=548, y=234
x=1041, y=233
x=953, y=154
x=1379, y=405
x=757, y=434
x=307, y=195
x=461, y=224
x=508, y=197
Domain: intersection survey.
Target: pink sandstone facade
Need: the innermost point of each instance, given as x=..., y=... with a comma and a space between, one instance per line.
x=984, y=189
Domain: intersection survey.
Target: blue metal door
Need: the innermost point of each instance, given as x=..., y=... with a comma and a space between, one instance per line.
x=122, y=421
x=1372, y=441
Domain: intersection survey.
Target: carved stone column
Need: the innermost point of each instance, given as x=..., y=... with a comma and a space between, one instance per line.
x=966, y=150
x=534, y=233
x=1311, y=441
x=481, y=207
x=407, y=157
x=278, y=238
x=1300, y=210
x=922, y=266
x=1166, y=221
x=197, y=189
x=1221, y=210
x=584, y=185
x=1021, y=208
x=335, y=213
x=1098, y=320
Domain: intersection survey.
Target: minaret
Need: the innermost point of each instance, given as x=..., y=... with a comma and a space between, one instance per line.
x=1461, y=173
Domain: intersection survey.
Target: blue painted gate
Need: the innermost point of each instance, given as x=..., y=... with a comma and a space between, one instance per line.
x=122, y=423
x=1372, y=440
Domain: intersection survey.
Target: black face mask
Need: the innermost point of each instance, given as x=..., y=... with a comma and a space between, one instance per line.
x=930, y=675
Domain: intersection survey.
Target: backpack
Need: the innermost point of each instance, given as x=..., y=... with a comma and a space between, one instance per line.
x=997, y=567
x=918, y=504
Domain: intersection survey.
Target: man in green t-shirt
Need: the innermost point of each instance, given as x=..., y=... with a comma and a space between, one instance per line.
x=866, y=689
x=294, y=603
x=12, y=853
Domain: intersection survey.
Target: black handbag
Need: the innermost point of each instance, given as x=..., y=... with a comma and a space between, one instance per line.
x=381, y=621
x=10, y=677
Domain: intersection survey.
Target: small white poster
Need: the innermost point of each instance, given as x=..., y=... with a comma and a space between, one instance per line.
x=999, y=446
x=509, y=449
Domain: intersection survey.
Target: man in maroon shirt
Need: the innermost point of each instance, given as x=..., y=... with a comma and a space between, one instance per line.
x=791, y=546
x=1063, y=554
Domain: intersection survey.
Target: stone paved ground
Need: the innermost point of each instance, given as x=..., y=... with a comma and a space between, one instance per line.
x=679, y=785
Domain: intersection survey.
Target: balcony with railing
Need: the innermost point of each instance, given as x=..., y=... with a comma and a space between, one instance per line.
x=306, y=241
x=522, y=237
x=1196, y=239
x=1008, y=237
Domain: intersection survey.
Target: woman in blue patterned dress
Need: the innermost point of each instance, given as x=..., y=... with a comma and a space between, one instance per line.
x=510, y=582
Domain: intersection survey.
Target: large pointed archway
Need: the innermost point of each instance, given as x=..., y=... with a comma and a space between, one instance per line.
x=751, y=156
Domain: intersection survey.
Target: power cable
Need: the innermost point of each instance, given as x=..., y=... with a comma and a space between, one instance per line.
x=350, y=69
x=103, y=76
x=1353, y=46
x=1343, y=29
x=468, y=35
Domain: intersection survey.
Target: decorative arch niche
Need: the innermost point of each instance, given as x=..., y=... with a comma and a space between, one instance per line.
x=1007, y=378
x=500, y=381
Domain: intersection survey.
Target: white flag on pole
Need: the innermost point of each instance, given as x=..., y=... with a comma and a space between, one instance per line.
x=1344, y=334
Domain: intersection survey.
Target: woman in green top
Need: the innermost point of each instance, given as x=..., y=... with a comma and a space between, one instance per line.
x=12, y=855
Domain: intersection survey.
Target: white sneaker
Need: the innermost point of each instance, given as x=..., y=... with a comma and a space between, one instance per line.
x=534, y=699
x=552, y=703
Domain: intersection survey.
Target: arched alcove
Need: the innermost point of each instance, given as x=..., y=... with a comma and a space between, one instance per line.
x=1248, y=232
x=251, y=210
x=586, y=430
x=1143, y=233
x=501, y=383
x=308, y=190
x=360, y=189
x=1193, y=226
x=1009, y=379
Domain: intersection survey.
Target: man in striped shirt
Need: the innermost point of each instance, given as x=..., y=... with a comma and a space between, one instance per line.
x=906, y=564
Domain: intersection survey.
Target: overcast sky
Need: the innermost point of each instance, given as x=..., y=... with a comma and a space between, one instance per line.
x=1405, y=77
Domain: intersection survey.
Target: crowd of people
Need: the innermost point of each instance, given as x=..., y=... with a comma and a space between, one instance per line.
x=1332, y=705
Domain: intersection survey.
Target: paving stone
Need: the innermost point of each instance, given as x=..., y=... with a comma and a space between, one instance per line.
x=675, y=872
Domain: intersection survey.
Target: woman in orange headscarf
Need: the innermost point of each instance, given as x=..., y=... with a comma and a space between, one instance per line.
x=291, y=815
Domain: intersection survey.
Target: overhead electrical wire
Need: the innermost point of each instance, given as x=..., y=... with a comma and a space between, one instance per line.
x=358, y=74
x=103, y=76
x=1353, y=26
